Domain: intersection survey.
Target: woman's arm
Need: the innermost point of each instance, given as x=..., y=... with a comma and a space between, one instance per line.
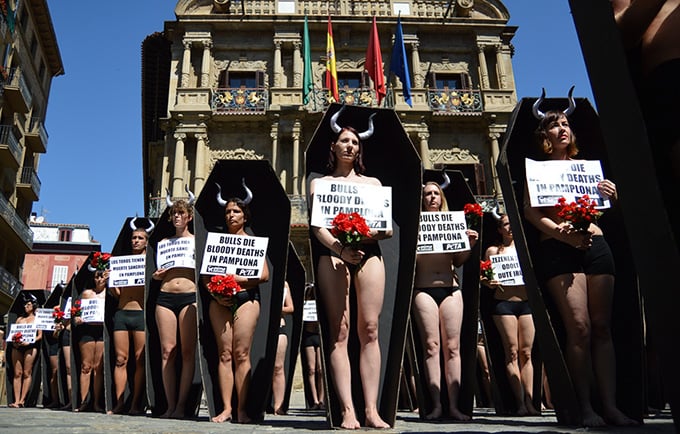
x=633, y=18
x=287, y=303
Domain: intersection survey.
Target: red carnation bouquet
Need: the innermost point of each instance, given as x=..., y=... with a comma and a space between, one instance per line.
x=100, y=261
x=350, y=229
x=473, y=215
x=486, y=270
x=17, y=338
x=58, y=315
x=579, y=214
x=224, y=287
x=76, y=309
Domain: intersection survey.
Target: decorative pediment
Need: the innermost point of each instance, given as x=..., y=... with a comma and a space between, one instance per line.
x=452, y=156
x=233, y=154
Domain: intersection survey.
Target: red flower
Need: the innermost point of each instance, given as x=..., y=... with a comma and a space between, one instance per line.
x=579, y=214
x=473, y=214
x=100, y=261
x=350, y=229
x=58, y=315
x=224, y=288
x=17, y=338
x=76, y=310
x=486, y=270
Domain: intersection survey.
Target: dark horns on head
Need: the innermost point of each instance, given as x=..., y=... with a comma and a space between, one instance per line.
x=337, y=128
x=538, y=114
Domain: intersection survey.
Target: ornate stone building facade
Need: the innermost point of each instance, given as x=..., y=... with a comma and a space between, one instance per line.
x=224, y=80
x=30, y=59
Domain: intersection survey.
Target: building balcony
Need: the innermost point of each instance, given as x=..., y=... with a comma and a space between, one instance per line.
x=16, y=91
x=16, y=224
x=35, y=138
x=363, y=97
x=29, y=184
x=455, y=101
x=10, y=149
x=237, y=101
x=193, y=100
x=9, y=284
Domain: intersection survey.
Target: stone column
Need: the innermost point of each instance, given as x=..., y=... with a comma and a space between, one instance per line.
x=495, y=152
x=201, y=152
x=483, y=72
x=277, y=64
x=205, y=64
x=418, y=78
x=274, y=134
x=178, y=168
x=296, y=156
x=186, y=64
x=297, y=65
x=502, y=76
x=423, y=137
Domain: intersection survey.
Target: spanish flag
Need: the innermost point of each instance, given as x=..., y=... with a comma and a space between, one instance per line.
x=331, y=72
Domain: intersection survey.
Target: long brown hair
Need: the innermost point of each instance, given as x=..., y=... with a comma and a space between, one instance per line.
x=550, y=117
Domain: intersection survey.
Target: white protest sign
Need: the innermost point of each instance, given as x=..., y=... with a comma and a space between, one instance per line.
x=28, y=332
x=44, y=319
x=92, y=309
x=241, y=255
x=309, y=311
x=442, y=232
x=506, y=269
x=127, y=270
x=548, y=181
x=372, y=202
x=67, y=309
x=176, y=252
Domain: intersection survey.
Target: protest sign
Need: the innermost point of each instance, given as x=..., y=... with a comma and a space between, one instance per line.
x=506, y=269
x=28, y=332
x=241, y=255
x=127, y=270
x=92, y=309
x=176, y=252
x=442, y=232
x=44, y=319
x=309, y=311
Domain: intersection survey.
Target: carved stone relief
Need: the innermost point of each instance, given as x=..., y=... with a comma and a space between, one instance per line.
x=454, y=155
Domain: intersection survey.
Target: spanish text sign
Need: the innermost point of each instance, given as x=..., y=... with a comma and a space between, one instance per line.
x=92, y=309
x=44, y=319
x=241, y=255
x=27, y=332
x=548, y=181
x=442, y=232
x=506, y=269
x=372, y=202
x=127, y=270
x=176, y=252
x=309, y=311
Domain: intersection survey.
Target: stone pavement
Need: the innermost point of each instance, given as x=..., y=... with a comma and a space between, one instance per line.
x=43, y=421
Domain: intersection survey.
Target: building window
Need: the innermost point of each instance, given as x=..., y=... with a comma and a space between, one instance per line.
x=241, y=79
x=59, y=275
x=34, y=46
x=448, y=81
x=65, y=234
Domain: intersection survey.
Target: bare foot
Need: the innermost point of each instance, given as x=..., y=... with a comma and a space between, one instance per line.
x=458, y=415
x=222, y=417
x=522, y=410
x=592, y=419
x=134, y=411
x=13, y=405
x=375, y=421
x=617, y=418
x=167, y=414
x=531, y=409
x=280, y=412
x=349, y=420
x=436, y=413
x=243, y=417
x=98, y=409
x=177, y=414
x=118, y=409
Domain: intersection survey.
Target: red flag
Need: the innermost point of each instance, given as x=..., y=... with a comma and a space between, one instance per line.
x=374, y=63
x=331, y=73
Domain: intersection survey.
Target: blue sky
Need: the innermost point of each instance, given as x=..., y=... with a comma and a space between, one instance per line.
x=92, y=172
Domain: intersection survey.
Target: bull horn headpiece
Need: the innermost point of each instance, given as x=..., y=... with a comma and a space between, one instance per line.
x=169, y=201
x=148, y=230
x=246, y=200
x=538, y=114
x=337, y=128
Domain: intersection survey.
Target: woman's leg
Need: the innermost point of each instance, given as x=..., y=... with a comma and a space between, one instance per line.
x=66, y=352
x=451, y=322
x=98, y=375
x=244, y=329
x=220, y=320
x=600, y=302
x=334, y=281
x=320, y=387
x=188, y=335
x=426, y=318
x=30, y=357
x=507, y=327
x=139, y=343
x=54, y=378
x=86, y=367
x=18, y=364
x=310, y=375
x=526, y=334
x=570, y=294
x=370, y=286
x=279, y=377
x=121, y=343
x=167, y=334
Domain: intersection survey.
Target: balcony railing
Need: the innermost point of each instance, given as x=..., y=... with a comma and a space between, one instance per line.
x=158, y=204
x=239, y=100
x=36, y=137
x=9, y=214
x=30, y=178
x=363, y=97
x=17, y=91
x=455, y=100
x=9, y=284
x=9, y=145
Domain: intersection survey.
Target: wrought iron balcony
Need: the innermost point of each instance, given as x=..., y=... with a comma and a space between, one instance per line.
x=452, y=101
x=239, y=100
x=29, y=185
x=19, y=226
x=9, y=284
x=158, y=204
x=17, y=92
x=10, y=149
x=35, y=137
x=364, y=97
